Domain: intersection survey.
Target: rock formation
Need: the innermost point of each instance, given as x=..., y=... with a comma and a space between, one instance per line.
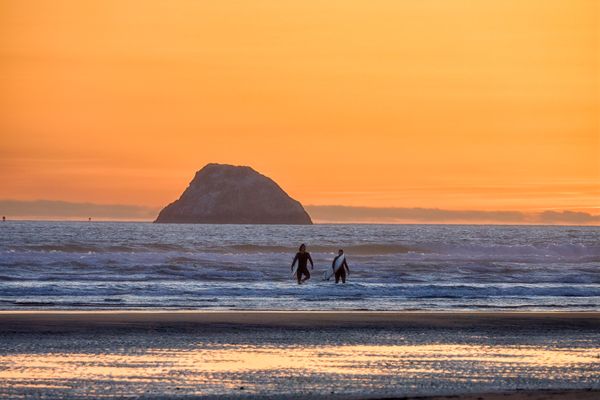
x=227, y=194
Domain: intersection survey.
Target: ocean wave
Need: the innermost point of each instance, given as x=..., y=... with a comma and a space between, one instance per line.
x=519, y=252
x=87, y=248
x=260, y=269
x=315, y=292
x=355, y=249
x=419, y=251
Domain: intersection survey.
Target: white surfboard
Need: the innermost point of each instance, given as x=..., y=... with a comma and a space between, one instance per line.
x=338, y=264
x=294, y=271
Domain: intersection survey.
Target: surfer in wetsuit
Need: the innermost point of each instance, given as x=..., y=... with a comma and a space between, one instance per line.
x=302, y=257
x=342, y=267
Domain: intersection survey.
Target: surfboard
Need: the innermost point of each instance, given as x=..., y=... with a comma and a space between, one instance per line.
x=294, y=271
x=330, y=272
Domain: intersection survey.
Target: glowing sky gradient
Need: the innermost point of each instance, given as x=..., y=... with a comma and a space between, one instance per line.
x=460, y=105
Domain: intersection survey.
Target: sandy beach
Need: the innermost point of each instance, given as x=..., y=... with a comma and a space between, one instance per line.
x=299, y=355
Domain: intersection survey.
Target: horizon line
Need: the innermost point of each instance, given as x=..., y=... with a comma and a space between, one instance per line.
x=150, y=221
x=60, y=210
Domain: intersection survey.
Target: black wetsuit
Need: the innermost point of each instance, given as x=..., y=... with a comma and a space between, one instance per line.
x=302, y=259
x=341, y=272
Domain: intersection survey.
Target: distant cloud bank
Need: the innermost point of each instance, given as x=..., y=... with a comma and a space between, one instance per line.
x=436, y=215
x=55, y=209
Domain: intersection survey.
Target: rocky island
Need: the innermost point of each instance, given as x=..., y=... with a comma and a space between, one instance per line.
x=228, y=194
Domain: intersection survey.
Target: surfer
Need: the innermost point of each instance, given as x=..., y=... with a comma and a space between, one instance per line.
x=302, y=257
x=340, y=267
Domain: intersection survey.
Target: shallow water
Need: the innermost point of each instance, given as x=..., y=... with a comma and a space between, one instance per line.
x=69, y=265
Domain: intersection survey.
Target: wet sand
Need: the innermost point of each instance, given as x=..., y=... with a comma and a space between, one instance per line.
x=299, y=355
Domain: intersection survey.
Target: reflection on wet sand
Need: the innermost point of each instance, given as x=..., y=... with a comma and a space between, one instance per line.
x=205, y=369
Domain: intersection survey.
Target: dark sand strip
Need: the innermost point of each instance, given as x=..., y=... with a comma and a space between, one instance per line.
x=513, y=321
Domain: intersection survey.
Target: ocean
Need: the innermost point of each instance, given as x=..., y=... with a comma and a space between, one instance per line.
x=127, y=265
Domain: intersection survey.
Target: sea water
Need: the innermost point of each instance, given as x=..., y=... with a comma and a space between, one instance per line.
x=102, y=265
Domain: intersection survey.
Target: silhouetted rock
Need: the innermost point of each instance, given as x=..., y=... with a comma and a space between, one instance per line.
x=227, y=194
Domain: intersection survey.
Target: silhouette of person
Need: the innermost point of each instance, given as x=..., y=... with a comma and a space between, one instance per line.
x=302, y=257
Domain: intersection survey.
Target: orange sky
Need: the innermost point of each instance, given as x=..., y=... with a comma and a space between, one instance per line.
x=484, y=105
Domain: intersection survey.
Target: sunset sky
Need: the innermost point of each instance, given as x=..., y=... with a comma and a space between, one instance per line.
x=457, y=105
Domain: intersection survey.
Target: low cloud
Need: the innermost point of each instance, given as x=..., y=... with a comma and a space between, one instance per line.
x=435, y=215
x=54, y=209
x=554, y=217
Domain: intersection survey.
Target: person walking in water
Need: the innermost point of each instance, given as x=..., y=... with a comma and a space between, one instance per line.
x=340, y=267
x=302, y=257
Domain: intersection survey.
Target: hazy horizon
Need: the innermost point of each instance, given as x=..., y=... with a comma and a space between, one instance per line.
x=48, y=210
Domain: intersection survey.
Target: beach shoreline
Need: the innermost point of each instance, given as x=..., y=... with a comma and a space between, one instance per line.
x=64, y=320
